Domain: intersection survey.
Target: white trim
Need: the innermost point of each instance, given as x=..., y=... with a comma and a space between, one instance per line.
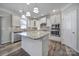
x=72, y=48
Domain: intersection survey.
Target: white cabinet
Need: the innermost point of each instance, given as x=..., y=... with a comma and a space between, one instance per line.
x=43, y=20
x=15, y=20
x=38, y=47
x=48, y=22
x=37, y=23
x=55, y=19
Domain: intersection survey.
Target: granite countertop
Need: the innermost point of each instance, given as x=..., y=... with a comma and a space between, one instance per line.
x=34, y=34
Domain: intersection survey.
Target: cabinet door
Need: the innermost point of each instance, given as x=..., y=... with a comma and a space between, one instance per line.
x=53, y=21
x=15, y=20
x=57, y=19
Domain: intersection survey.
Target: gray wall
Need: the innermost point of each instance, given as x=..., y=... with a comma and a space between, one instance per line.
x=78, y=29
x=0, y=30
x=5, y=27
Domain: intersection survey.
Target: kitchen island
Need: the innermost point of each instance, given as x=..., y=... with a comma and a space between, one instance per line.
x=35, y=42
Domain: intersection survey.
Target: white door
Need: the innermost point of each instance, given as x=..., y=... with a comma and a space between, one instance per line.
x=69, y=29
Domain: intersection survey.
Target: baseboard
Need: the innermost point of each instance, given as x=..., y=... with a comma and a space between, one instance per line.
x=71, y=48
x=76, y=50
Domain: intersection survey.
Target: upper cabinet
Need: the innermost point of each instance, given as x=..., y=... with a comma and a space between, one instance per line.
x=43, y=20
x=55, y=19
x=15, y=20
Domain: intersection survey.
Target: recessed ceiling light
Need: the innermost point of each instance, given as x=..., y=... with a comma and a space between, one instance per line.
x=28, y=14
x=28, y=3
x=20, y=10
x=54, y=10
x=23, y=16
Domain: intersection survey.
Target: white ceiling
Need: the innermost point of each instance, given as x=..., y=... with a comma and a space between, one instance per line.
x=44, y=8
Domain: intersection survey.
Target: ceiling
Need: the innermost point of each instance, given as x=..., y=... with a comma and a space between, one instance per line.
x=44, y=8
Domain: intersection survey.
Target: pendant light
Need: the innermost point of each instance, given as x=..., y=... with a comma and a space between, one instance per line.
x=28, y=3
x=28, y=13
x=23, y=16
x=36, y=10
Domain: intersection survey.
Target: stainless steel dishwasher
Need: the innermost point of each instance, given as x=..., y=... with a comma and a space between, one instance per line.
x=17, y=37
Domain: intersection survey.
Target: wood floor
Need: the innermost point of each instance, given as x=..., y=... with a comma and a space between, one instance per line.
x=58, y=49
x=19, y=52
x=55, y=49
x=9, y=48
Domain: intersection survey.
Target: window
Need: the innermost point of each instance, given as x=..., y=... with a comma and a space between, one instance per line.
x=23, y=23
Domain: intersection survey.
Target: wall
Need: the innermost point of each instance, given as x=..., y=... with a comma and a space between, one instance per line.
x=5, y=27
x=54, y=19
x=0, y=29
x=78, y=29
x=48, y=22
